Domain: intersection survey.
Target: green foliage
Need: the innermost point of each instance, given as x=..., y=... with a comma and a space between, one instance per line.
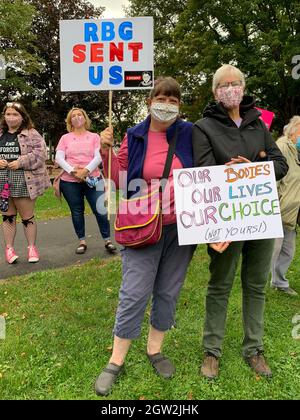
x=16, y=46
x=195, y=37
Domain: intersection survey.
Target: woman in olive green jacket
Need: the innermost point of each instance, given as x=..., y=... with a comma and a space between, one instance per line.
x=289, y=195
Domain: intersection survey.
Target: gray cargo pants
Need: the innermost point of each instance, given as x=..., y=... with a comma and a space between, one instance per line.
x=158, y=270
x=283, y=255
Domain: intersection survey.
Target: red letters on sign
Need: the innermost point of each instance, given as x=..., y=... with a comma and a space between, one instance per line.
x=79, y=51
x=116, y=51
x=97, y=53
x=135, y=47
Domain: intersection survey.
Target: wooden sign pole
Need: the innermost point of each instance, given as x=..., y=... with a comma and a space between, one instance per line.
x=110, y=97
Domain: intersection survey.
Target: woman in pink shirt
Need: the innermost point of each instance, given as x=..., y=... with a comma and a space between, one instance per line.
x=78, y=155
x=156, y=271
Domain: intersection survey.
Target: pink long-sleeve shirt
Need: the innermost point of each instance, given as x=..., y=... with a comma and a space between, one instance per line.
x=79, y=151
x=154, y=164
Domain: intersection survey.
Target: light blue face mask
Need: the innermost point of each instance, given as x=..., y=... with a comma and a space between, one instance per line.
x=298, y=143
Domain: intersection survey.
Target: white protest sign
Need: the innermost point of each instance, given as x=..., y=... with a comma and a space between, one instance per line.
x=106, y=54
x=227, y=203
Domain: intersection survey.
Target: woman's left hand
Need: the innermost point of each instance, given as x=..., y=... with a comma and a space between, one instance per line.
x=219, y=247
x=81, y=173
x=239, y=159
x=13, y=165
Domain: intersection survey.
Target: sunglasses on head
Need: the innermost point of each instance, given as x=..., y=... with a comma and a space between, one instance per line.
x=13, y=105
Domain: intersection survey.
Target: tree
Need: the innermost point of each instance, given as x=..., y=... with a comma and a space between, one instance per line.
x=165, y=15
x=128, y=109
x=49, y=104
x=259, y=37
x=16, y=47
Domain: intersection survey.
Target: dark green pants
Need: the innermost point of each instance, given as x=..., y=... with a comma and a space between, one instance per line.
x=256, y=261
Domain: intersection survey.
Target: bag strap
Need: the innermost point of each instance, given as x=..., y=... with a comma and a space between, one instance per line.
x=169, y=161
x=59, y=175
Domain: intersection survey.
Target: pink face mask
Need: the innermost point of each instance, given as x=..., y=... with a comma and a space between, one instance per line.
x=13, y=122
x=78, y=122
x=230, y=96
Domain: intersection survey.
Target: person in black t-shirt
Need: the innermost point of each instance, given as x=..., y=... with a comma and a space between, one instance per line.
x=23, y=177
x=9, y=147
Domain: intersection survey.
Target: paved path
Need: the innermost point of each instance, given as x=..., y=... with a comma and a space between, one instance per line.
x=56, y=243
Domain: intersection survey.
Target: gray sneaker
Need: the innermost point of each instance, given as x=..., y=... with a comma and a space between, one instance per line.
x=107, y=378
x=287, y=290
x=162, y=365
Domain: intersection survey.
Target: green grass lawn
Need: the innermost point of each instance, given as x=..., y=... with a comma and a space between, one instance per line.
x=59, y=335
x=49, y=207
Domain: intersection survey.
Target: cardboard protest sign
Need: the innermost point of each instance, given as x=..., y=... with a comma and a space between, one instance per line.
x=108, y=54
x=227, y=203
x=266, y=116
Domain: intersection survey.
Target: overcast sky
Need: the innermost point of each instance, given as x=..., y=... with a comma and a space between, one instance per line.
x=113, y=8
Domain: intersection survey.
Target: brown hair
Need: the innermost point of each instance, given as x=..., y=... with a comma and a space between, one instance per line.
x=69, y=117
x=26, y=123
x=166, y=86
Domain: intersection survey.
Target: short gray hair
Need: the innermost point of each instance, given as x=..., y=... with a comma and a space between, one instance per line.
x=291, y=127
x=226, y=68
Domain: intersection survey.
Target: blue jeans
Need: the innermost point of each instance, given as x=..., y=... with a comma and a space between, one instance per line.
x=74, y=193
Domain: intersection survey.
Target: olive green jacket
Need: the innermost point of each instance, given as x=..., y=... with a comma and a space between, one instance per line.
x=289, y=186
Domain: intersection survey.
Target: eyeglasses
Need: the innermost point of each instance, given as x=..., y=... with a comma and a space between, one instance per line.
x=235, y=83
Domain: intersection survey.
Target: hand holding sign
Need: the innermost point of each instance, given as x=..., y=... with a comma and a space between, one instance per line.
x=239, y=159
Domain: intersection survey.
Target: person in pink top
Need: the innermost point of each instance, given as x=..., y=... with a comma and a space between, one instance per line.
x=78, y=155
x=159, y=270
